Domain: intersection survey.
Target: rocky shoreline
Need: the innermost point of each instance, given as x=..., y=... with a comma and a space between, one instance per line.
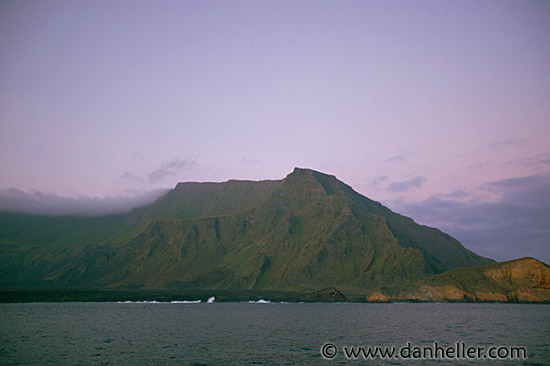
x=524, y=280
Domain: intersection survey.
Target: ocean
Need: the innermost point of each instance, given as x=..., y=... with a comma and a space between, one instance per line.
x=149, y=333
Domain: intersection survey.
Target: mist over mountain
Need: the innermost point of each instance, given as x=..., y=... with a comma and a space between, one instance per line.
x=39, y=203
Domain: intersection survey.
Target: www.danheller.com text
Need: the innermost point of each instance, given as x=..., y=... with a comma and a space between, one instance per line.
x=456, y=351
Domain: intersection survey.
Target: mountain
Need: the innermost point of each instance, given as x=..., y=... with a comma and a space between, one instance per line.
x=305, y=233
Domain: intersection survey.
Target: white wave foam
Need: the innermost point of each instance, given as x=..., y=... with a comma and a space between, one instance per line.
x=185, y=302
x=261, y=301
x=140, y=302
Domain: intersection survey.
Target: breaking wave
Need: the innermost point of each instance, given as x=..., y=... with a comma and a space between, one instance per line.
x=186, y=302
x=160, y=302
x=141, y=302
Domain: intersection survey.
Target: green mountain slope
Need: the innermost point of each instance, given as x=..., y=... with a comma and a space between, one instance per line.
x=306, y=232
x=190, y=200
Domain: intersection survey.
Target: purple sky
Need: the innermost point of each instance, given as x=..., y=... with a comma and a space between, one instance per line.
x=439, y=109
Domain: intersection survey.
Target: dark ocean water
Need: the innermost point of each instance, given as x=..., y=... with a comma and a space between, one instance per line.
x=260, y=334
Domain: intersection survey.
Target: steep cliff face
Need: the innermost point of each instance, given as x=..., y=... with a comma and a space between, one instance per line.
x=522, y=280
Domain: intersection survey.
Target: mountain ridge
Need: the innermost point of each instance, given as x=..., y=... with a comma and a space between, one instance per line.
x=304, y=233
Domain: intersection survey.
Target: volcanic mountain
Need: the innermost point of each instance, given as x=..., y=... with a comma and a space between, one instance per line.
x=304, y=233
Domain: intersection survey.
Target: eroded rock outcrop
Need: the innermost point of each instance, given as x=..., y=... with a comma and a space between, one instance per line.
x=526, y=272
x=524, y=280
x=378, y=297
x=490, y=297
x=437, y=293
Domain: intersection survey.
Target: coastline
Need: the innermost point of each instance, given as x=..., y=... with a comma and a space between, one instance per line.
x=194, y=295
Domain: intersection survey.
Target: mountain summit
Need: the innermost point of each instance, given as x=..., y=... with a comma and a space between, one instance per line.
x=306, y=232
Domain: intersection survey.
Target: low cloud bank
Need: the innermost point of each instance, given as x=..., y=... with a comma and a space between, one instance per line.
x=14, y=200
x=513, y=226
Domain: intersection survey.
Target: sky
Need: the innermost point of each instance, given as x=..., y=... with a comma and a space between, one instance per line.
x=438, y=109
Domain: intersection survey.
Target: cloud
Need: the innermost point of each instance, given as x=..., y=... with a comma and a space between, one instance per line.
x=509, y=143
x=539, y=160
x=381, y=179
x=415, y=182
x=506, y=186
x=170, y=168
x=399, y=158
x=131, y=177
x=250, y=161
x=35, y=202
x=514, y=225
